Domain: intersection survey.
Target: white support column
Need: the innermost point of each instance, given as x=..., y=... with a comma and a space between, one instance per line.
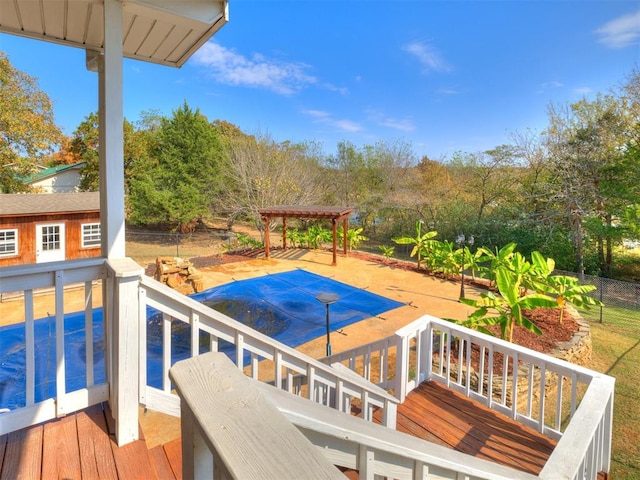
x=123, y=359
x=111, y=117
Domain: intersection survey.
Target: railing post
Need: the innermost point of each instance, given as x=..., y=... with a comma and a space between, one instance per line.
x=402, y=366
x=122, y=328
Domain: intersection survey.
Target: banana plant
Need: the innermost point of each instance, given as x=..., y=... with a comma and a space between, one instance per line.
x=354, y=237
x=505, y=309
x=496, y=259
x=387, y=251
x=420, y=242
x=296, y=238
x=567, y=289
x=317, y=235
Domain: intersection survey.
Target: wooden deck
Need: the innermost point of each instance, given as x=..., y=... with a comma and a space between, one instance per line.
x=82, y=446
x=440, y=415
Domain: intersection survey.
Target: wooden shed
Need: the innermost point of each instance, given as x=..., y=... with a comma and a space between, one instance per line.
x=49, y=227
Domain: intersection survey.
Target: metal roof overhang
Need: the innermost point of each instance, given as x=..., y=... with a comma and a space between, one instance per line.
x=166, y=32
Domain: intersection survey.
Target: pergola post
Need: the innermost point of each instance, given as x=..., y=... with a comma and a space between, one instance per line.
x=267, y=247
x=334, y=225
x=284, y=233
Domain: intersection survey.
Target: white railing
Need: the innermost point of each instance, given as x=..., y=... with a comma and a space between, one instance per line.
x=258, y=355
x=20, y=287
x=566, y=402
x=127, y=298
x=561, y=400
x=209, y=387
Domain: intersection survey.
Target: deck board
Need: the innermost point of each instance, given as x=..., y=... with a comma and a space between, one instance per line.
x=161, y=464
x=60, y=451
x=173, y=451
x=440, y=415
x=96, y=456
x=22, y=454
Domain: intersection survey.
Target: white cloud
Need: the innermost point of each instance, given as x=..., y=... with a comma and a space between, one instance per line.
x=549, y=85
x=621, y=32
x=582, y=91
x=552, y=84
x=428, y=56
x=402, y=124
x=449, y=91
x=229, y=67
x=344, y=125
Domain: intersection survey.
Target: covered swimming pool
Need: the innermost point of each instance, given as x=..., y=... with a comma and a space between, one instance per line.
x=282, y=306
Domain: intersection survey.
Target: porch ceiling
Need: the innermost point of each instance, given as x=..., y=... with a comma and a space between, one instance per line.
x=166, y=32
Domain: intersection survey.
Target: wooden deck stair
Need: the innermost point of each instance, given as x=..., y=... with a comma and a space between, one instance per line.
x=81, y=445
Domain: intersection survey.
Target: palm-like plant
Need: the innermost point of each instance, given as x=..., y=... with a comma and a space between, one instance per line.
x=568, y=290
x=387, y=251
x=420, y=242
x=506, y=309
x=354, y=237
x=317, y=235
x=296, y=238
x=499, y=257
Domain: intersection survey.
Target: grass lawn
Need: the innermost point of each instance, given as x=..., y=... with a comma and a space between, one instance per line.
x=616, y=352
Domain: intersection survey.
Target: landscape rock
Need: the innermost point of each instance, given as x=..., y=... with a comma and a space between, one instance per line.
x=178, y=274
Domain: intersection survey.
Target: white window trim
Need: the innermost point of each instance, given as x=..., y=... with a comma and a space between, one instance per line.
x=15, y=242
x=82, y=233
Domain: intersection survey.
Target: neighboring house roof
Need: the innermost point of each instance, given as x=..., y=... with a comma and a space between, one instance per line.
x=50, y=172
x=18, y=204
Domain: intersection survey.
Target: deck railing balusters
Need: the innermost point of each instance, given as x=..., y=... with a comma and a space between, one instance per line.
x=88, y=329
x=30, y=360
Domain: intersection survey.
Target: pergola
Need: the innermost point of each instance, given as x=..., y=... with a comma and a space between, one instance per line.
x=289, y=211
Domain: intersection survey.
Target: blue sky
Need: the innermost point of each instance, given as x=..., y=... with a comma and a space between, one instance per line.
x=444, y=76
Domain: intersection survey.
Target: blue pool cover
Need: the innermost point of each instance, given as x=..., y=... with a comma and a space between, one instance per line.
x=282, y=306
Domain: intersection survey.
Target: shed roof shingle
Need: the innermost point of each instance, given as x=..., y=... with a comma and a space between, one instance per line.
x=13, y=204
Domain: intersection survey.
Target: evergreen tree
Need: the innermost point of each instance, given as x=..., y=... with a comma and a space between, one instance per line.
x=182, y=177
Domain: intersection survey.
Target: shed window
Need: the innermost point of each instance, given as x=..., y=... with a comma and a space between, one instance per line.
x=8, y=242
x=90, y=235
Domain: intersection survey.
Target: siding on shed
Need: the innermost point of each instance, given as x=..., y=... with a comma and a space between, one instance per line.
x=26, y=225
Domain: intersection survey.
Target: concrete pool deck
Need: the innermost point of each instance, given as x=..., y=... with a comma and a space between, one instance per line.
x=421, y=294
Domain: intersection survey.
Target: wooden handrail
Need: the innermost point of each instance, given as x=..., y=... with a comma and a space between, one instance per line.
x=229, y=426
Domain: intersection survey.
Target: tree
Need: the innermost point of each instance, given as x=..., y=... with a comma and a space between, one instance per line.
x=486, y=177
x=27, y=128
x=262, y=173
x=84, y=144
x=371, y=179
x=183, y=175
x=586, y=141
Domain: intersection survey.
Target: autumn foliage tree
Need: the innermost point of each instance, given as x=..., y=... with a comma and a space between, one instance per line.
x=28, y=132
